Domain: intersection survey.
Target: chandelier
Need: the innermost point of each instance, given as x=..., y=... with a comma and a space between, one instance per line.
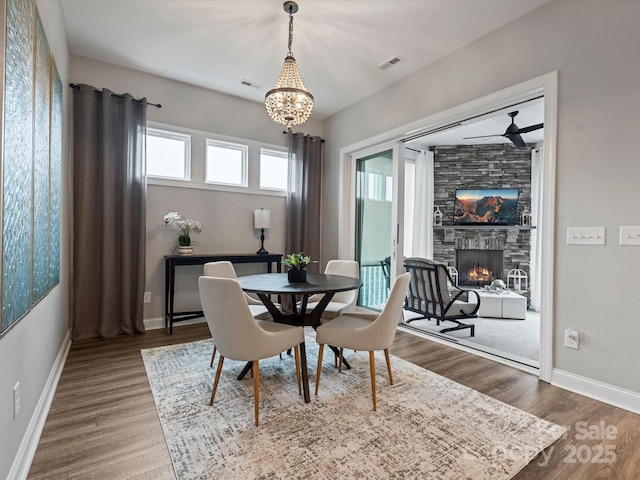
x=289, y=103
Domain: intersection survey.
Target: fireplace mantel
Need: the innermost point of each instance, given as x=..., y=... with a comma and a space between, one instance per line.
x=509, y=232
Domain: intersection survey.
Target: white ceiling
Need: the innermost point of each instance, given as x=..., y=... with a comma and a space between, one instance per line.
x=338, y=44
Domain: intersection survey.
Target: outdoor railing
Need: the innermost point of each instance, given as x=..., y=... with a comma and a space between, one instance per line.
x=374, y=291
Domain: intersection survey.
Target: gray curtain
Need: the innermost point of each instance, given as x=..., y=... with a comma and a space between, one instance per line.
x=304, y=197
x=109, y=192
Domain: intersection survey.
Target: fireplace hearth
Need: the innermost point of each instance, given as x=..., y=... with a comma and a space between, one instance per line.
x=477, y=268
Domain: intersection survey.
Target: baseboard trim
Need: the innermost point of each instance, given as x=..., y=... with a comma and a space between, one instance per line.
x=158, y=323
x=28, y=446
x=603, y=392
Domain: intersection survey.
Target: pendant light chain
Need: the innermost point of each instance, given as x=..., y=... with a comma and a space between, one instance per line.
x=290, y=30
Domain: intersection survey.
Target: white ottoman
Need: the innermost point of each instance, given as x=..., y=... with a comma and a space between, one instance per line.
x=506, y=304
x=490, y=305
x=514, y=306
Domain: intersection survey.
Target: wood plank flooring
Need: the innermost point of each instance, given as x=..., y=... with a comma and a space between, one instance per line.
x=103, y=422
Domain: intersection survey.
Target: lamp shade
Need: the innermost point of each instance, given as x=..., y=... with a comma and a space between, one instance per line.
x=262, y=218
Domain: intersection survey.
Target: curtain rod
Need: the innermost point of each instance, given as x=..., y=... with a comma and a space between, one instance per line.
x=95, y=90
x=285, y=132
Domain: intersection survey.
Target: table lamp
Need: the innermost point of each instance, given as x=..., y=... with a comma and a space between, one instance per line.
x=262, y=220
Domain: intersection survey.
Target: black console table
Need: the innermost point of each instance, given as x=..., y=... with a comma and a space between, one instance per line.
x=173, y=261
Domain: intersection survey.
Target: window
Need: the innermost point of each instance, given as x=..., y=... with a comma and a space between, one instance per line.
x=274, y=169
x=168, y=154
x=226, y=163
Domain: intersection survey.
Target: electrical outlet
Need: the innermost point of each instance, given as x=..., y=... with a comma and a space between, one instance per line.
x=572, y=338
x=147, y=297
x=16, y=400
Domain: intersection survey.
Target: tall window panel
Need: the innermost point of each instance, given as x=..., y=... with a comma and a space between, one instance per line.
x=17, y=165
x=41, y=167
x=55, y=175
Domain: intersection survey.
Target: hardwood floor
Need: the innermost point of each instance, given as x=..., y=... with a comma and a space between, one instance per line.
x=103, y=422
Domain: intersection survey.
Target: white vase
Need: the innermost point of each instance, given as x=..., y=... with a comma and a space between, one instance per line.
x=184, y=250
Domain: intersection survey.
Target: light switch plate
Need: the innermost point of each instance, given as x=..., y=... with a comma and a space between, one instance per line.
x=629, y=235
x=585, y=236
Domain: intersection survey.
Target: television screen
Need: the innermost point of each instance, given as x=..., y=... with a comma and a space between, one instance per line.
x=497, y=206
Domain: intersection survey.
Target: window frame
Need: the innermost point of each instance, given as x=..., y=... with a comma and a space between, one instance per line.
x=274, y=153
x=244, y=149
x=172, y=135
x=198, y=160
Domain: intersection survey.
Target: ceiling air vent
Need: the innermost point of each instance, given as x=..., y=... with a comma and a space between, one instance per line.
x=249, y=83
x=390, y=62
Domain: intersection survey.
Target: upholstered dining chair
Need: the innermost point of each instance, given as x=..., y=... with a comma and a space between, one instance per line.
x=225, y=269
x=341, y=302
x=239, y=336
x=360, y=332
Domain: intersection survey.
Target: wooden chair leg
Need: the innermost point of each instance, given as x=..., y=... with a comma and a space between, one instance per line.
x=340, y=361
x=386, y=356
x=372, y=365
x=256, y=387
x=215, y=382
x=213, y=355
x=296, y=352
x=320, y=353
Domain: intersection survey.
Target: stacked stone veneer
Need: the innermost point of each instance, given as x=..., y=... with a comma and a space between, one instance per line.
x=478, y=167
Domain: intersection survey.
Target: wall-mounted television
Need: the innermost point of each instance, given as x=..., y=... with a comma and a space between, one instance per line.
x=491, y=206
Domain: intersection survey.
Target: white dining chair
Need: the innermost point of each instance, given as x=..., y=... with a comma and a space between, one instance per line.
x=341, y=302
x=239, y=336
x=357, y=332
x=224, y=269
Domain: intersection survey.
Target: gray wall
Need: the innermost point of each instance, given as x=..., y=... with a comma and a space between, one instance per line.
x=593, y=46
x=28, y=351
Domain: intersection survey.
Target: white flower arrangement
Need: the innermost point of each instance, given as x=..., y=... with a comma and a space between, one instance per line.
x=183, y=225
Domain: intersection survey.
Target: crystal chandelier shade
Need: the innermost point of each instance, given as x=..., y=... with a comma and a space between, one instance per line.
x=289, y=103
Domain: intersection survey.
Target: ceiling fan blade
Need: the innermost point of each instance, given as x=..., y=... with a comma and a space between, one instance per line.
x=516, y=139
x=484, y=136
x=531, y=128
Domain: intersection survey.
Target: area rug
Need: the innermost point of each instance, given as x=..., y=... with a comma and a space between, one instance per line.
x=426, y=426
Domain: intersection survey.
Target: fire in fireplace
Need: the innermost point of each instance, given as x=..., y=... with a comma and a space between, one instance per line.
x=477, y=268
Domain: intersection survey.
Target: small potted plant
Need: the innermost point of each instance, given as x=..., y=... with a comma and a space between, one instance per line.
x=297, y=263
x=184, y=226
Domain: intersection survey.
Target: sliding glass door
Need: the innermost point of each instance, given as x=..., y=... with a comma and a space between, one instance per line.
x=376, y=224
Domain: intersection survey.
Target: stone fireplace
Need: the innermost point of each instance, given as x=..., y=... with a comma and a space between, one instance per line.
x=476, y=167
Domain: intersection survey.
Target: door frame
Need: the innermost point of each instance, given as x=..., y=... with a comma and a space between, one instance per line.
x=546, y=85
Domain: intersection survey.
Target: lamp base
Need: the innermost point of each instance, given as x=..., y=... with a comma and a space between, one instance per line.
x=262, y=251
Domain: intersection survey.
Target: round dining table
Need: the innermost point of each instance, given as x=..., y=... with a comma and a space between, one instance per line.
x=267, y=284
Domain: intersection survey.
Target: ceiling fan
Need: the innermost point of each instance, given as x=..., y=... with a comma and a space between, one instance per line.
x=513, y=132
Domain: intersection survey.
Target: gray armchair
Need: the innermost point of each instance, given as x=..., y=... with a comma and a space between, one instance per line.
x=432, y=294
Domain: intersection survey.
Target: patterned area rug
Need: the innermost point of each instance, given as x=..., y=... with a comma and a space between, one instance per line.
x=426, y=426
